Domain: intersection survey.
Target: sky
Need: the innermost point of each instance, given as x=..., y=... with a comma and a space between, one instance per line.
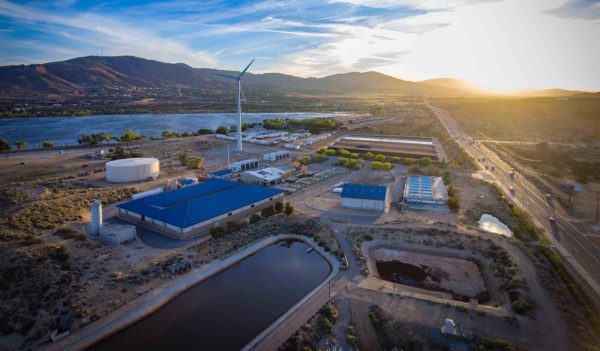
x=496, y=44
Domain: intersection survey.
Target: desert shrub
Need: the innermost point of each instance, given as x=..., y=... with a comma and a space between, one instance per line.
x=425, y=161
x=267, y=212
x=254, y=218
x=61, y=253
x=325, y=325
x=288, y=209
x=278, y=207
x=216, y=232
x=453, y=204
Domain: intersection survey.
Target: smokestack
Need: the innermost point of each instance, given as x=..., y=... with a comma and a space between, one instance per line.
x=96, y=217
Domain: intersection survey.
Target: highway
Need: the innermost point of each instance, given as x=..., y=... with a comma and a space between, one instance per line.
x=581, y=254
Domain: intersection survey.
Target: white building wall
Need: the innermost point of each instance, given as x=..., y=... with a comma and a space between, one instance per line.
x=363, y=204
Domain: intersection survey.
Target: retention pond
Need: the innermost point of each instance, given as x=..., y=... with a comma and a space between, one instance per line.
x=229, y=309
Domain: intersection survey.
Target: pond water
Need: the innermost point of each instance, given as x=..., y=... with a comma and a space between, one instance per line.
x=228, y=310
x=66, y=130
x=492, y=224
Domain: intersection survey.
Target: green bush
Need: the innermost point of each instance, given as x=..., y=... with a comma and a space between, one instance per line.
x=453, y=204
x=409, y=161
x=397, y=159
x=353, y=155
x=288, y=209
x=267, y=212
x=221, y=130
x=369, y=155
x=216, y=232
x=254, y=218
x=278, y=207
x=203, y=131
x=234, y=226
x=381, y=166
x=380, y=157
x=425, y=161
x=47, y=144
x=318, y=158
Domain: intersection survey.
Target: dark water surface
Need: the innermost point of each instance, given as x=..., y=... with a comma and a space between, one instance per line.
x=66, y=130
x=228, y=310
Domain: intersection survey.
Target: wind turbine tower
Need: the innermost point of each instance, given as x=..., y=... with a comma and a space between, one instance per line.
x=239, y=102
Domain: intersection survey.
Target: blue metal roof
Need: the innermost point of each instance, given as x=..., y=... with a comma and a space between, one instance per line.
x=197, y=203
x=363, y=191
x=222, y=172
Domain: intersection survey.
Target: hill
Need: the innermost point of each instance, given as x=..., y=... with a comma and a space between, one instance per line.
x=95, y=75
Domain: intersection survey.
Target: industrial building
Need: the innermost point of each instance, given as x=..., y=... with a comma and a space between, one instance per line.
x=267, y=176
x=413, y=147
x=276, y=155
x=244, y=165
x=425, y=190
x=222, y=174
x=365, y=197
x=132, y=170
x=194, y=209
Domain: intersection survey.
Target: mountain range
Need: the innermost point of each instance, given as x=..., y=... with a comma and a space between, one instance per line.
x=84, y=76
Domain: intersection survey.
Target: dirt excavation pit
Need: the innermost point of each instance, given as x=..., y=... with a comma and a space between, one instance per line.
x=460, y=278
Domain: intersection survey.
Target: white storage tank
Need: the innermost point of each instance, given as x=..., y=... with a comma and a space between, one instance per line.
x=132, y=170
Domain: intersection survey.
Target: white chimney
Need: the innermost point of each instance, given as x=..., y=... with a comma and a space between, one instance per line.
x=96, y=217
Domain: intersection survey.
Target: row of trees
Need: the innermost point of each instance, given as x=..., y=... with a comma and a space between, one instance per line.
x=424, y=161
x=267, y=212
x=6, y=146
x=314, y=125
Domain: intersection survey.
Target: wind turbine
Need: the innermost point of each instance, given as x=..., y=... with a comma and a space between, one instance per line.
x=239, y=102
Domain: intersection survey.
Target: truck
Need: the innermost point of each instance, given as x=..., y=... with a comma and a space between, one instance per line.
x=512, y=174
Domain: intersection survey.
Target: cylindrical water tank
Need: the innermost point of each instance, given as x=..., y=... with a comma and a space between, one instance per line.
x=132, y=170
x=96, y=217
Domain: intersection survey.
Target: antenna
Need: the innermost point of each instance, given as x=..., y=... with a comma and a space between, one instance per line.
x=239, y=101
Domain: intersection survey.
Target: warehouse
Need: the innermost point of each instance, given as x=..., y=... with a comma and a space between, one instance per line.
x=267, y=176
x=365, y=197
x=425, y=190
x=194, y=209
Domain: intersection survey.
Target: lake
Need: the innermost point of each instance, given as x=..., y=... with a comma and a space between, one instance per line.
x=66, y=130
x=229, y=309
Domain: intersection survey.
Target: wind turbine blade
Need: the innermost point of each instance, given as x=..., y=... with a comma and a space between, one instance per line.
x=245, y=69
x=225, y=75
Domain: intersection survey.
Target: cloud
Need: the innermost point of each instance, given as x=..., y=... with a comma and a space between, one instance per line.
x=582, y=9
x=107, y=34
x=413, y=4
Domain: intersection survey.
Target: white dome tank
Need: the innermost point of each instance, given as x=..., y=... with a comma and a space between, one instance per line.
x=132, y=170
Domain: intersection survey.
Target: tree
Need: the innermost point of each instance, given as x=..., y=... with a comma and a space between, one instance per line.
x=278, y=207
x=20, y=144
x=93, y=139
x=129, y=136
x=203, y=131
x=196, y=163
x=216, y=232
x=183, y=159
x=288, y=209
x=233, y=129
x=47, y=144
x=222, y=130
x=254, y=218
x=267, y=212
x=425, y=161
x=275, y=123
x=453, y=204
x=5, y=146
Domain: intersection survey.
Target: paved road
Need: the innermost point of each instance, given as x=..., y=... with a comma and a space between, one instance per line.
x=574, y=245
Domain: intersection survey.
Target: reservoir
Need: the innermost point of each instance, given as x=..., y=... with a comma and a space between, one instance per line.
x=229, y=309
x=66, y=130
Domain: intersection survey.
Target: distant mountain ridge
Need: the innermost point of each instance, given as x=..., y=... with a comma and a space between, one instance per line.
x=88, y=75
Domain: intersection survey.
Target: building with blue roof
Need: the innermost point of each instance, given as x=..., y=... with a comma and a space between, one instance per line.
x=365, y=197
x=196, y=208
x=425, y=190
